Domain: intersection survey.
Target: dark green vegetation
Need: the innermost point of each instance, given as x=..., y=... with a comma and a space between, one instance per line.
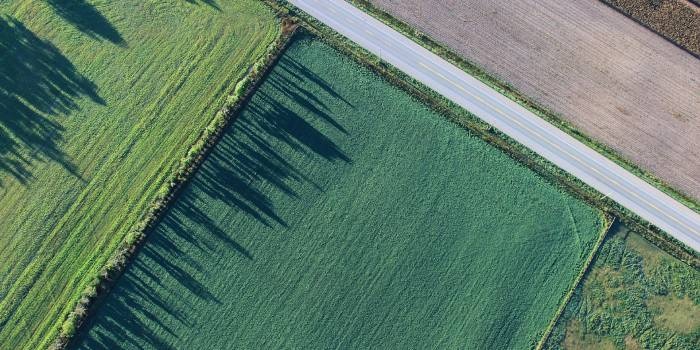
x=99, y=102
x=635, y=297
x=339, y=212
x=534, y=161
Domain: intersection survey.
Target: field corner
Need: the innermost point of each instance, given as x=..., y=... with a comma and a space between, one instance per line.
x=495, y=137
x=608, y=222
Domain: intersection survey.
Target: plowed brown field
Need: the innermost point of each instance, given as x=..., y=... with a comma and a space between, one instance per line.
x=612, y=78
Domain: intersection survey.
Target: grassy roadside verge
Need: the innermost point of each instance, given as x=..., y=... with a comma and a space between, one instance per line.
x=509, y=91
x=609, y=222
x=511, y=147
x=102, y=283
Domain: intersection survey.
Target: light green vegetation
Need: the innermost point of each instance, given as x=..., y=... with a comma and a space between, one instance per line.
x=575, y=339
x=635, y=297
x=99, y=101
x=678, y=314
x=338, y=212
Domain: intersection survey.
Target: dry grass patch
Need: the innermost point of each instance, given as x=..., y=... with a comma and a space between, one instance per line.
x=576, y=338
x=677, y=314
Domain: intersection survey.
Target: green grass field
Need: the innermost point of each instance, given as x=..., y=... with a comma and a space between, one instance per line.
x=635, y=297
x=338, y=212
x=99, y=101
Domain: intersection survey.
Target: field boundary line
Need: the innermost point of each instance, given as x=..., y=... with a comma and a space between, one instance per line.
x=486, y=132
x=609, y=221
x=197, y=153
x=512, y=93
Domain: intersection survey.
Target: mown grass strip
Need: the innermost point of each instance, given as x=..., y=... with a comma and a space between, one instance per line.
x=101, y=101
x=102, y=284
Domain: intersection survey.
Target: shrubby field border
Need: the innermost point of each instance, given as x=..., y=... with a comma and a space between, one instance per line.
x=474, y=125
x=167, y=194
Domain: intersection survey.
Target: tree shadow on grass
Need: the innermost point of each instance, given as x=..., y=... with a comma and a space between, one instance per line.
x=249, y=169
x=36, y=83
x=210, y=3
x=87, y=19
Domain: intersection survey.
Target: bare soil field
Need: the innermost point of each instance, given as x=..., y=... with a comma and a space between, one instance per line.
x=613, y=79
x=677, y=20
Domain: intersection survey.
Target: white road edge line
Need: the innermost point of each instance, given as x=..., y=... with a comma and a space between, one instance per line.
x=509, y=117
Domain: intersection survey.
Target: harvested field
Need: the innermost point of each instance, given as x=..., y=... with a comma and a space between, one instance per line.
x=99, y=101
x=677, y=20
x=612, y=78
x=338, y=212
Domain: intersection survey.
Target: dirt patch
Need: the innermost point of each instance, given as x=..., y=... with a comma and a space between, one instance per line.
x=614, y=79
x=577, y=339
x=631, y=343
x=677, y=20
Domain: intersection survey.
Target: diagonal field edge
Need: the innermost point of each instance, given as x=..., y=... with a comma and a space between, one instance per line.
x=522, y=125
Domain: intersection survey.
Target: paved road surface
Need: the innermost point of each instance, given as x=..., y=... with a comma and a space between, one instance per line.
x=509, y=117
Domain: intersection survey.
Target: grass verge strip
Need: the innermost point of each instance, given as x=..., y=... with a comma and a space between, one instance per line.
x=509, y=91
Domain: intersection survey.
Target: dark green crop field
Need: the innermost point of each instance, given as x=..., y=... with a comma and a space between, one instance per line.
x=99, y=101
x=338, y=212
x=636, y=296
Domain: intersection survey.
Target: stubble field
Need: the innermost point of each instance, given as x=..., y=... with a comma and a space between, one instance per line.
x=337, y=211
x=99, y=101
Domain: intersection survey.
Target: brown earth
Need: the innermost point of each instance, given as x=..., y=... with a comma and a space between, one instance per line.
x=677, y=20
x=613, y=79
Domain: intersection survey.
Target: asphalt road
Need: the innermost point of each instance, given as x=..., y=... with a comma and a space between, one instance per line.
x=509, y=117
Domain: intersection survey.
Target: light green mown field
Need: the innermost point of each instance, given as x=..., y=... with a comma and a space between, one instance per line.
x=99, y=101
x=635, y=297
x=338, y=212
